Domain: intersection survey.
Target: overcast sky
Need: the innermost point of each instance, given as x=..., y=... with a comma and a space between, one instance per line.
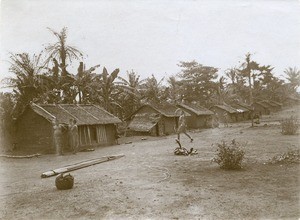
x=151, y=37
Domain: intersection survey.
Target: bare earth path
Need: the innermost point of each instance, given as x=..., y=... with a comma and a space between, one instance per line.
x=150, y=182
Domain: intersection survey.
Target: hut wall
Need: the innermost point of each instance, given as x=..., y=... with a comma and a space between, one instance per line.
x=270, y=108
x=169, y=124
x=34, y=131
x=195, y=121
x=278, y=107
x=239, y=116
x=111, y=134
x=260, y=109
x=220, y=112
x=83, y=133
x=247, y=115
x=97, y=135
x=139, y=133
x=192, y=121
x=159, y=128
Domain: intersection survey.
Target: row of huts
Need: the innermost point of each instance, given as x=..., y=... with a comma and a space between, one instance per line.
x=99, y=127
x=161, y=119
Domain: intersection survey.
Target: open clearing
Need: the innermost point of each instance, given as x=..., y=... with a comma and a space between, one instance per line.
x=150, y=182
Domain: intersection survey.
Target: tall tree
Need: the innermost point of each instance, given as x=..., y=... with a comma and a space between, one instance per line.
x=293, y=77
x=82, y=83
x=27, y=82
x=131, y=93
x=62, y=54
x=198, y=81
x=106, y=89
x=174, y=89
x=236, y=87
x=61, y=51
x=152, y=89
x=7, y=104
x=247, y=70
x=232, y=74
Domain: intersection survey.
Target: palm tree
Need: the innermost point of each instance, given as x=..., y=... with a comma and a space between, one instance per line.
x=61, y=51
x=293, y=76
x=82, y=83
x=106, y=91
x=232, y=74
x=28, y=83
x=131, y=92
x=152, y=89
x=246, y=71
x=174, y=89
x=61, y=88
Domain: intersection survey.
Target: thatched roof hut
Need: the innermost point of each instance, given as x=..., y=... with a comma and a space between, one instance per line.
x=96, y=126
x=200, y=116
x=154, y=119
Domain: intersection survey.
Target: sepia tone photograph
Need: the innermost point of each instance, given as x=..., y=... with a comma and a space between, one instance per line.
x=149, y=109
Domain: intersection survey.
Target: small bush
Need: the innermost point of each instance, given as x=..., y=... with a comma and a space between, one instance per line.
x=289, y=126
x=287, y=158
x=229, y=155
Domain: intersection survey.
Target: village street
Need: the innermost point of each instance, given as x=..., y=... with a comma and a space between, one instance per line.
x=149, y=110
x=151, y=182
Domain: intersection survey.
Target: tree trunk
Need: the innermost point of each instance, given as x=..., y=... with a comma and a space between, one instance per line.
x=251, y=97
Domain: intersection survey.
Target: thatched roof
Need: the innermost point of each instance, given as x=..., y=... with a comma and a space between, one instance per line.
x=144, y=122
x=263, y=104
x=276, y=103
x=165, y=109
x=196, y=109
x=270, y=103
x=84, y=114
x=239, y=108
x=294, y=98
x=244, y=105
x=227, y=108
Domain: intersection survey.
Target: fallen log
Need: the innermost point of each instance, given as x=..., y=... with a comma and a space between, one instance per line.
x=20, y=157
x=79, y=165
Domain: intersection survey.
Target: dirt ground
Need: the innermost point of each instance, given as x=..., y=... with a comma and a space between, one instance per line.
x=150, y=182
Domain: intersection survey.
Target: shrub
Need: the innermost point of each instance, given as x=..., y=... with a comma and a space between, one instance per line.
x=292, y=156
x=289, y=126
x=229, y=155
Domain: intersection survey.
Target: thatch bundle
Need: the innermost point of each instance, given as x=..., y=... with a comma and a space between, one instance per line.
x=183, y=151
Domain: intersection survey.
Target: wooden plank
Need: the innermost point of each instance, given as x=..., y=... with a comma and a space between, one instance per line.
x=79, y=165
x=20, y=157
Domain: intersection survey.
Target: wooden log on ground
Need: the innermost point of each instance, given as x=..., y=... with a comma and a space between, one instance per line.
x=79, y=165
x=20, y=157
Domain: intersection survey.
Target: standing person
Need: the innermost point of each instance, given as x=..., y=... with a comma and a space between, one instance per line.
x=182, y=126
x=215, y=120
x=70, y=139
x=73, y=135
x=57, y=135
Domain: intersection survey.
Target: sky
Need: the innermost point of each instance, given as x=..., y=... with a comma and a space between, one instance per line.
x=152, y=37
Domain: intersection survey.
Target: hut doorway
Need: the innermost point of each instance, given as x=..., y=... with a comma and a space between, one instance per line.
x=93, y=135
